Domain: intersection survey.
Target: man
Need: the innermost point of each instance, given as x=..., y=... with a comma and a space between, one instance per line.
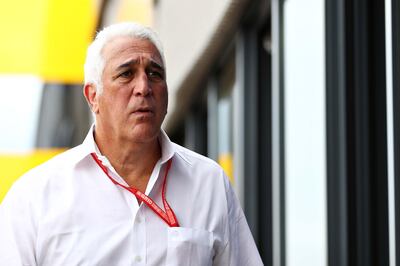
x=127, y=195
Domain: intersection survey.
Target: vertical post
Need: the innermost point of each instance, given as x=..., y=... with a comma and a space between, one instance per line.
x=251, y=132
x=390, y=137
x=336, y=133
x=278, y=196
x=392, y=14
x=238, y=120
x=212, y=119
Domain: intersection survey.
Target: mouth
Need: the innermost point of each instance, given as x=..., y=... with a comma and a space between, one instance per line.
x=143, y=110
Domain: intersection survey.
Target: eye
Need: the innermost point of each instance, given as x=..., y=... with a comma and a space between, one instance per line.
x=155, y=75
x=126, y=74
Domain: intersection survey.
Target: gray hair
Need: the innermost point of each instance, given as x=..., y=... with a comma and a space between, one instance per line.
x=94, y=64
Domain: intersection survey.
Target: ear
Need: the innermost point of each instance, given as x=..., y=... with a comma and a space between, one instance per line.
x=91, y=95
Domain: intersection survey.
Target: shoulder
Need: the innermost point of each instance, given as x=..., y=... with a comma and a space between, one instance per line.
x=36, y=179
x=202, y=171
x=58, y=164
x=194, y=159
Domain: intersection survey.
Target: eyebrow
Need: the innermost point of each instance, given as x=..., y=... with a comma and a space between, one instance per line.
x=156, y=65
x=128, y=64
x=136, y=62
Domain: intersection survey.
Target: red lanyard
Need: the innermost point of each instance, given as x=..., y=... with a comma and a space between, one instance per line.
x=168, y=216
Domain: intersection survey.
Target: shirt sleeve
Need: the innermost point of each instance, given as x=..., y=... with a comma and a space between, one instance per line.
x=239, y=248
x=17, y=234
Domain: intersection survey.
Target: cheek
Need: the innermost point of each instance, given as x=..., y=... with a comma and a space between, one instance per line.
x=164, y=96
x=121, y=98
x=166, y=99
x=111, y=104
x=165, y=103
x=161, y=97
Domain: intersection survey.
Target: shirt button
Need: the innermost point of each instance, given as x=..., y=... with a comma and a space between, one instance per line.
x=138, y=220
x=138, y=258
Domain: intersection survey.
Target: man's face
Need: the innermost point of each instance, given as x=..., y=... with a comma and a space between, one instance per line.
x=134, y=100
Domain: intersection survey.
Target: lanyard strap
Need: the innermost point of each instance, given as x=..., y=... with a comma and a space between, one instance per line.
x=168, y=216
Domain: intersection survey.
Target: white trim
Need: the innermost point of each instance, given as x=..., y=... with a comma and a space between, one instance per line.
x=390, y=136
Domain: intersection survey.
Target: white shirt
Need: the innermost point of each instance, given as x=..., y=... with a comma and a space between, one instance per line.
x=68, y=212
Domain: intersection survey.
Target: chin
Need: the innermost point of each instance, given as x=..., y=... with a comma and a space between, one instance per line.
x=143, y=134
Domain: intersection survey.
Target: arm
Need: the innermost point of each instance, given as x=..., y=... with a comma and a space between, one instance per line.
x=239, y=248
x=17, y=233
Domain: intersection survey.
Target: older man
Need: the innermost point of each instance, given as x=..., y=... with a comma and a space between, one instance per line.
x=127, y=195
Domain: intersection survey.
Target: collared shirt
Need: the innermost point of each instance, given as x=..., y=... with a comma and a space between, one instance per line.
x=68, y=212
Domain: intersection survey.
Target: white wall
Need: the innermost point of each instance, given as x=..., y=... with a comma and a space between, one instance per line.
x=185, y=28
x=20, y=98
x=305, y=152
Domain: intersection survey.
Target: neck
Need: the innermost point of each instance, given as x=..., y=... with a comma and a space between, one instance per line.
x=134, y=162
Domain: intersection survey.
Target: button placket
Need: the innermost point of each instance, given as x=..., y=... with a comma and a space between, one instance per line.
x=139, y=232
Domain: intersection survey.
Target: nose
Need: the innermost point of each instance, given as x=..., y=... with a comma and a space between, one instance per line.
x=142, y=85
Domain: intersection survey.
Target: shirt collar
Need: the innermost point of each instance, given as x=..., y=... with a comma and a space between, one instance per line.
x=167, y=148
x=89, y=146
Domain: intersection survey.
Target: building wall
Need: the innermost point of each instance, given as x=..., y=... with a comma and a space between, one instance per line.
x=192, y=33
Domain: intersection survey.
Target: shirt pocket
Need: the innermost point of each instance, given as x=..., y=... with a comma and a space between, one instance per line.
x=189, y=247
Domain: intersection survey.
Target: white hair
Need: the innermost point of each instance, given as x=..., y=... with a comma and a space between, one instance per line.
x=94, y=64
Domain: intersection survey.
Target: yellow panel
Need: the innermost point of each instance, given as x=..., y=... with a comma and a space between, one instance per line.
x=47, y=38
x=226, y=162
x=68, y=31
x=21, y=32
x=136, y=10
x=14, y=165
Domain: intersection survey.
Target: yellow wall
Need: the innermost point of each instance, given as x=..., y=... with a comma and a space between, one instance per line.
x=47, y=38
x=68, y=30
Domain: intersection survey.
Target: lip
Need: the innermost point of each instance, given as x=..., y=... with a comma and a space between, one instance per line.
x=143, y=110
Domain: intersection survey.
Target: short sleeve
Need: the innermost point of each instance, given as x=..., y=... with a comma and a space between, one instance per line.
x=239, y=248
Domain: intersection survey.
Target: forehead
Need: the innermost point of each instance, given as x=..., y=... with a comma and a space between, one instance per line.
x=124, y=48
